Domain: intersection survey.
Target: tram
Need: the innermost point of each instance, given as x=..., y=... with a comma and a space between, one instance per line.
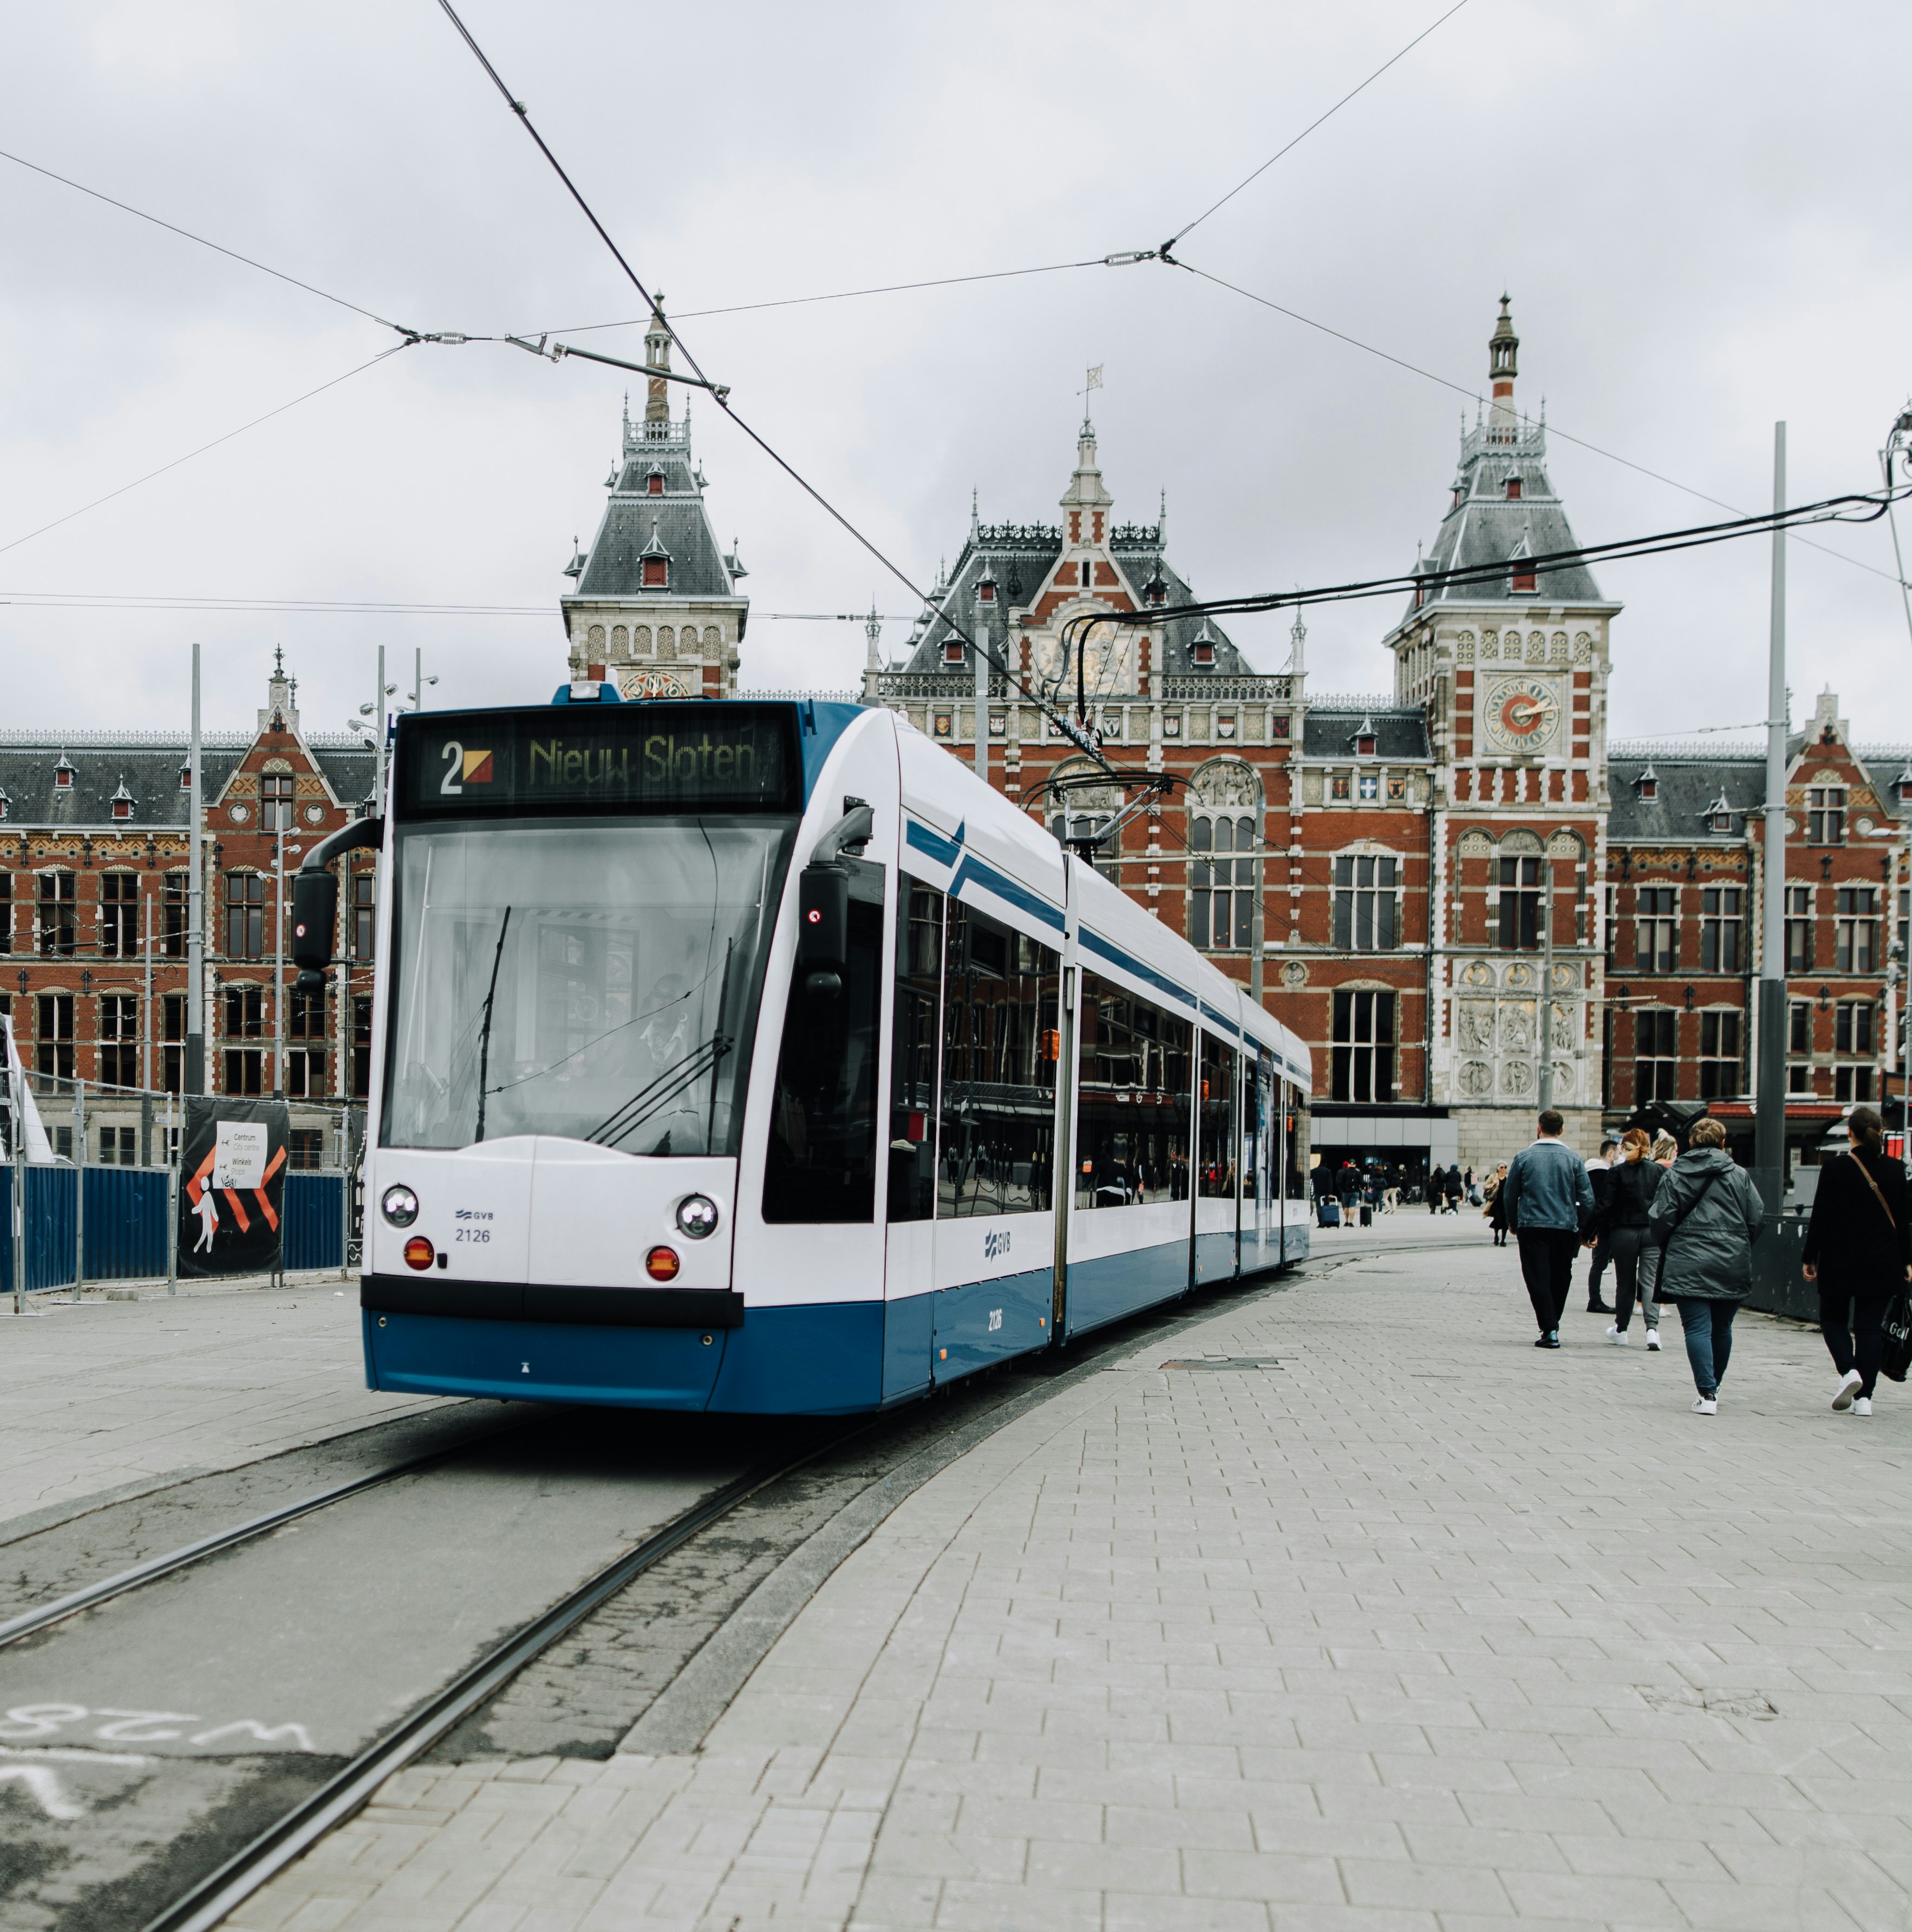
x=758, y=1057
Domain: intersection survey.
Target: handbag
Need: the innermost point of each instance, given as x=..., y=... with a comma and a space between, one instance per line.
x=1897, y=1327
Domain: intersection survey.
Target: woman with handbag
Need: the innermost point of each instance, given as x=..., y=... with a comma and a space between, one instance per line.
x=1705, y=1217
x=1495, y=1213
x=1859, y=1249
x=1665, y=1150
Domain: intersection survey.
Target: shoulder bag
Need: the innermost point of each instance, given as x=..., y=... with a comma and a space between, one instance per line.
x=1679, y=1220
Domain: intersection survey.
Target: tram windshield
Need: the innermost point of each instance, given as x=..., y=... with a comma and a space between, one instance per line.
x=597, y=981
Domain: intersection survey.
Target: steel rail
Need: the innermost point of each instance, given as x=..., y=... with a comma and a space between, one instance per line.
x=154, y=1568
x=208, y=1902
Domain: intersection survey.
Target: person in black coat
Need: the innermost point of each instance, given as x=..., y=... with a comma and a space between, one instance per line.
x=1859, y=1249
x=1623, y=1212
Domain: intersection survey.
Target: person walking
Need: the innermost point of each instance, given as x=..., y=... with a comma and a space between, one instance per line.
x=1665, y=1150
x=1632, y=1183
x=1451, y=1188
x=1859, y=1249
x=1548, y=1200
x=1600, y=1171
x=1495, y=1209
x=1706, y=1215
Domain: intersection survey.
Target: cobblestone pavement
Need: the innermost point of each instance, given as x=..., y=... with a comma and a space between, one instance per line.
x=1419, y=1628
x=101, y=1399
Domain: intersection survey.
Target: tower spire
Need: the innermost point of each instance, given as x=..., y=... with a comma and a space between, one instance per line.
x=1503, y=352
x=657, y=356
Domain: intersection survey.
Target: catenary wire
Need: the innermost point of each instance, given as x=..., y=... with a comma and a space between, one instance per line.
x=15, y=542
x=218, y=247
x=62, y=600
x=722, y=398
x=1248, y=180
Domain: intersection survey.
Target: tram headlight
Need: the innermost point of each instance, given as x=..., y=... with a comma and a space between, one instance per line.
x=696, y=1216
x=400, y=1206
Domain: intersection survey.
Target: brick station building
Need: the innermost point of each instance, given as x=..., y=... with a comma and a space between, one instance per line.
x=1376, y=868
x=94, y=874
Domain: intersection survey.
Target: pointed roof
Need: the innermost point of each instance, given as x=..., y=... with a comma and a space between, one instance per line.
x=1504, y=503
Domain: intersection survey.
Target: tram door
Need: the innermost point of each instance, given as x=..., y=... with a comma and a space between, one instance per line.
x=909, y=1247
x=1262, y=1241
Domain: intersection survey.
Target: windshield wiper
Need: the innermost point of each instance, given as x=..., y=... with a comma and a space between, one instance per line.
x=682, y=1073
x=484, y=1031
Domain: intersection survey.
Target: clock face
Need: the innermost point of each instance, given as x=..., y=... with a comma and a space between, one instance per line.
x=1522, y=714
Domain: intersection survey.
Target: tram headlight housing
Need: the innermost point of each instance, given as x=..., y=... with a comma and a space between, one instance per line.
x=696, y=1217
x=400, y=1206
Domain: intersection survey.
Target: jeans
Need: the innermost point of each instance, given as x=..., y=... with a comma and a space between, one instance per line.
x=1633, y=1276
x=1547, y=1267
x=1603, y=1253
x=1865, y=1347
x=1709, y=1326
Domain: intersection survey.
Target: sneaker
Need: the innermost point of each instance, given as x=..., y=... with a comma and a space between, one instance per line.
x=1849, y=1384
x=1706, y=1405
x=1653, y=1340
x=1552, y=1340
x=1598, y=1307
x=1617, y=1336
x=1862, y=1405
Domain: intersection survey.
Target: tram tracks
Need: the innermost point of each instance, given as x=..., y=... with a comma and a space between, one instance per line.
x=289, y=1837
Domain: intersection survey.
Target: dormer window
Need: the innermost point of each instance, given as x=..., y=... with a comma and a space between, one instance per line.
x=63, y=775
x=1523, y=579
x=654, y=482
x=5, y=803
x=122, y=802
x=1364, y=746
x=986, y=591
x=1722, y=821
x=186, y=777
x=1647, y=785
x=1156, y=590
x=654, y=562
x=1202, y=648
x=1902, y=784
x=1513, y=488
x=952, y=650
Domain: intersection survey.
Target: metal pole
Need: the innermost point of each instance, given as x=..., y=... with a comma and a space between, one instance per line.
x=1544, y=1014
x=981, y=691
x=146, y=1027
x=1904, y=1055
x=194, y=1080
x=378, y=740
x=1769, y=1135
x=279, y=968
x=172, y=1223
x=80, y=1193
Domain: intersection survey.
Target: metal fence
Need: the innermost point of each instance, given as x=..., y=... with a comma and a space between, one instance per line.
x=121, y=1217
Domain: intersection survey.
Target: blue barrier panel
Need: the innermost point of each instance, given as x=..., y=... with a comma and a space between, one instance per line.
x=52, y=1199
x=314, y=1231
x=125, y=1222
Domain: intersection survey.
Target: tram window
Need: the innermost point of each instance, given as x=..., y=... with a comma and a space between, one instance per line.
x=1132, y=1099
x=821, y=1163
x=1217, y=1179
x=996, y=1149
x=1294, y=1110
x=913, y=1052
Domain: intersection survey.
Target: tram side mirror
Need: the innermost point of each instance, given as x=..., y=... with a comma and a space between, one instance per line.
x=315, y=913
x=823, y=929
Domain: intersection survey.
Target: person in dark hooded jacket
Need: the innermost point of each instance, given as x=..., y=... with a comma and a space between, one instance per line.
x=1705, y=1216
x=1859, y=1251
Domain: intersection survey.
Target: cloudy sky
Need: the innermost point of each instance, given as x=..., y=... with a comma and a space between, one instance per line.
x=1699, y=210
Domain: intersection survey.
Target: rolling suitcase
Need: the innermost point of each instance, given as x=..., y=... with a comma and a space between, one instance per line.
x=1331, y=1214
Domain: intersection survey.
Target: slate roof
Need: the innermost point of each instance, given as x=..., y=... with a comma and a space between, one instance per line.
x=1400, y=733
x=677, y=520
x=1020, y=556
x=1484, y=525
x=149, y=770
x=1685, y=792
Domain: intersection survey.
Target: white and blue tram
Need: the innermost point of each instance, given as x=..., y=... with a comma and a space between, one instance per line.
x=757, y=1057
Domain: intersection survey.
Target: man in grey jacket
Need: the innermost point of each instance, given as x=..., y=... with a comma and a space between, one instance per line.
x=1706, y=1216
x=1549, y=1201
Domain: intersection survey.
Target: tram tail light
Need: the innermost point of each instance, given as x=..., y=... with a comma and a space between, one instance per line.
x=662, y=1263
x=419, y=1253
x=918, y=1128
x=1051, y=1043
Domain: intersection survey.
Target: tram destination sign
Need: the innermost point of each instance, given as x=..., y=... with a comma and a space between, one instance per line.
x=621, y=758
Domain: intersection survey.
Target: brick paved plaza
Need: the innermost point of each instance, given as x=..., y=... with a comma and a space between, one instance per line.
x=1420, y=1629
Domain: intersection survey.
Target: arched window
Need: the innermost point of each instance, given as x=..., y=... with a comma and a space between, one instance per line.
x=1224, y=800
